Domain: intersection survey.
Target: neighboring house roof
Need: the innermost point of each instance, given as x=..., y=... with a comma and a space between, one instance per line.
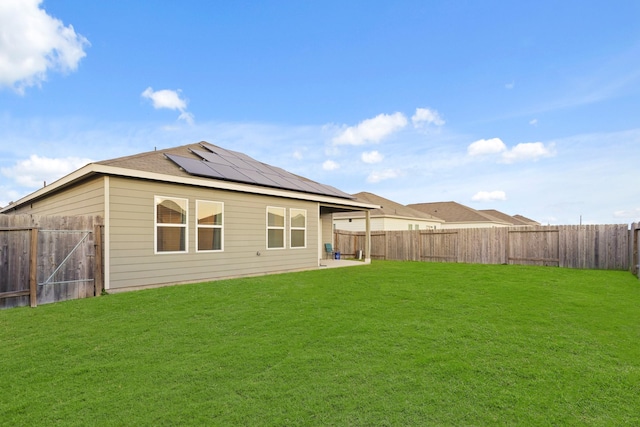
x=526, y=220
x=453, y=212
x=503, y=217
x=388, y=208
x=206, y=165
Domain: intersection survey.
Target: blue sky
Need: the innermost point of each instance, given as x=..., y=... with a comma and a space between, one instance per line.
x=528, y=108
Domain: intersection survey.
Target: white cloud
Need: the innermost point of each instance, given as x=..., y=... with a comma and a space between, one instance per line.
x=298, y=155
x=533, y=122
x=371, y=157
x=426, y=116
x=36, y=170
x=372, y=130
x=169, y=99
x=486, y=146
x=33, y=43
x=527, y=151
x=521, y=152
x=489, y=196
x=9, y=195
x=510, y=86
x=330, y=165
x=628, y=214
x=187, y=117
x=165, y=98
x=378, y=176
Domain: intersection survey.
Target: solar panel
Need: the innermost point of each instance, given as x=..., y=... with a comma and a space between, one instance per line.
x=194, y=166
x=236, y=161
x=259, y=177
x=231, y=173
x=212, y=157
x=283, y=183
x=219, y=163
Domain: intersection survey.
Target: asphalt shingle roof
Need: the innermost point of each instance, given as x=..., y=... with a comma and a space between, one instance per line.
x=208, y=161
x=454, y=212
x=387, y=208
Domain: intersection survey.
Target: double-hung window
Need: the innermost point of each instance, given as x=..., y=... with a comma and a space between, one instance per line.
x=275, y=228
x=209, y=225
x=298, y=224
x=171, y=224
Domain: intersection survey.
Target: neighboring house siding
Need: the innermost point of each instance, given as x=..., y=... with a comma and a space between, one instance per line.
x=134, y=263
x=84, y=199
x=357, y=224
x=383, y=224
x=449, y=225
x=400, y=224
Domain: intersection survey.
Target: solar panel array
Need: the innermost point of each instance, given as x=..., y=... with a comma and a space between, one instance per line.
x=218, y=163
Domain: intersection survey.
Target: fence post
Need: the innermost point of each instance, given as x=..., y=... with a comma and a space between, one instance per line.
x=97, y=265
x=635, y=257
x=33, y=268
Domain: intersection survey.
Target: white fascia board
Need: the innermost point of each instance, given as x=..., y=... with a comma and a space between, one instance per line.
x=94, y=168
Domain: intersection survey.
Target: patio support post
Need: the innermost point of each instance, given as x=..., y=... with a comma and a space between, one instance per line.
x=367, y=246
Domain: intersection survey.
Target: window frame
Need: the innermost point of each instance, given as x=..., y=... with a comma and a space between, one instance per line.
x=209, y=226
x=158, y=200
x=292, y=228
x=273, y=227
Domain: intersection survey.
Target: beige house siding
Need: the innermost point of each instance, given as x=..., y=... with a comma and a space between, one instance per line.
x=327, y=232
x=133, y=261
x=84, y=199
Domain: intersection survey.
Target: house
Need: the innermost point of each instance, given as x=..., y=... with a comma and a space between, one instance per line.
x=515, y=222
x=194, y=213
x=390, y=216
x=457, y=215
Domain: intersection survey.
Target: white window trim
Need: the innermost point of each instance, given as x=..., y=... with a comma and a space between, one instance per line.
x=221, y=227
x=156, y=225
x=283, y=228
x=292, y=228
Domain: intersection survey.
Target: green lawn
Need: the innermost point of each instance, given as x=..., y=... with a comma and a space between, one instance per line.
x=393, y=343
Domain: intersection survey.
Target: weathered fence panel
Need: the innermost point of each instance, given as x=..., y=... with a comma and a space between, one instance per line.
x=534, y=246
x=608, y=247
x=439, y=246
x=62, y=262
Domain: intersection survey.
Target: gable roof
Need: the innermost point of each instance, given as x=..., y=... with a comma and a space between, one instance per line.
x=526, y=220
x=455, y=212
x=503, y=217
x=388, y=208
x=213, y=162
x=167, y=166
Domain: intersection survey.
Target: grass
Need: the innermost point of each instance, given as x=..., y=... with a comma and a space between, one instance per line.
x=393, y=343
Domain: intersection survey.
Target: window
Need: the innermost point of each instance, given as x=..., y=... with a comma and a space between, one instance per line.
x=417, y=226
x=298, y=224
x=209, y=226
x=171, y=224
x=410, y=226
x=275, y=228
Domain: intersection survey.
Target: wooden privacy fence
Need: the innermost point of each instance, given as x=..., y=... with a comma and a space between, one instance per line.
x=47, y=259
x=608, y=247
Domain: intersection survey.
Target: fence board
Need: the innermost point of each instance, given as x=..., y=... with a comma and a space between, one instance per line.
x=587, y=246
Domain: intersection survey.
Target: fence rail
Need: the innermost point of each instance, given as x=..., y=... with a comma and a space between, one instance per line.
x=47, y=259
x=608, y=247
